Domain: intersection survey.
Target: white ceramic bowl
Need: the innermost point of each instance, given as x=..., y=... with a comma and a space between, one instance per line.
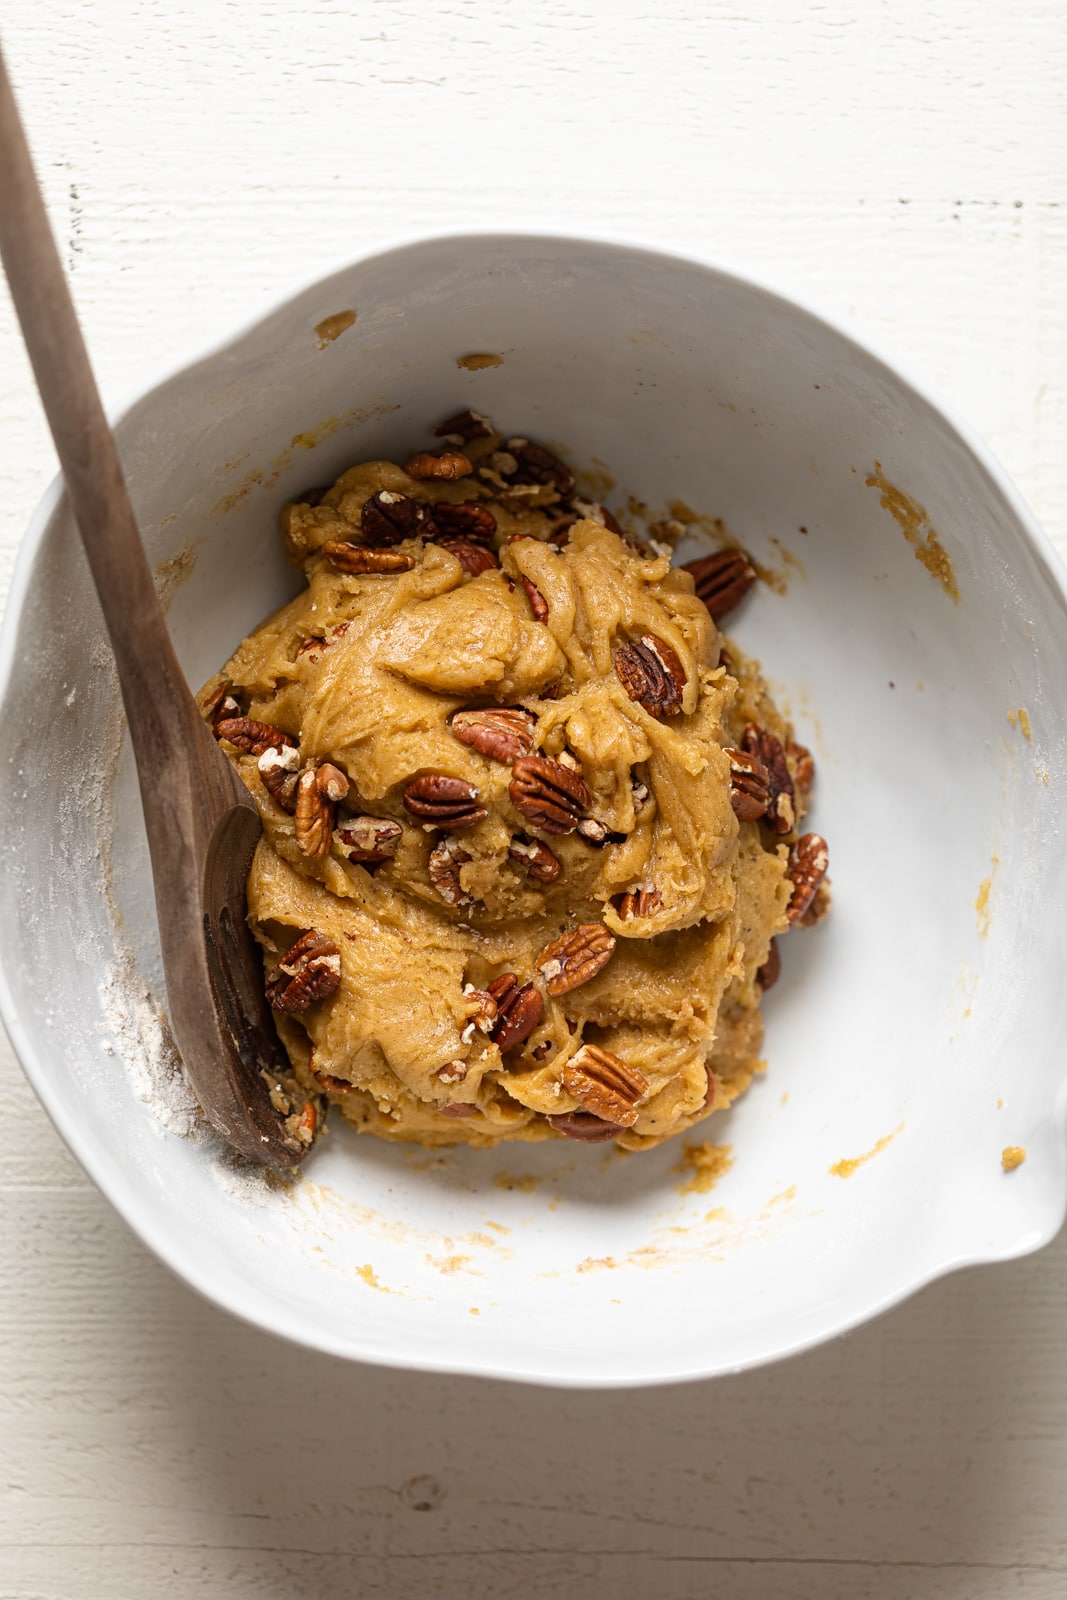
x=913, y=1020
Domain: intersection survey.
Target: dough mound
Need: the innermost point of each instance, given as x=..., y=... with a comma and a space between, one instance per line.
x=605, y=927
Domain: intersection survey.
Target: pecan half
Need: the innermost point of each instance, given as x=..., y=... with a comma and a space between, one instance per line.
x=604, y=1085
x=535, y=464
x=317, y=796
x=538, y=603
x=767, y=975
x=802, y=764
x=278, y=767
x=467, y=520
x=449, y=464
x=781, y=813
x=722, y=580
x=250, y=736
x=364, y=558
x=367, y=838
x=651, y=673
x=584, y=1126
x=577, y=957
x=535, y=858
x=449, y=803
x=639, y=903
x=463, y=427
x=519, y=1010
x=503, y=733
x=388, y=518
x=750, y=785
x=446, y=858
x=550, y=796
x=310, y=971
x=473, y=558
x=806, y=869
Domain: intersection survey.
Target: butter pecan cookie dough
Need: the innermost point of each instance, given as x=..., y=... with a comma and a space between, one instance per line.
x=530, y=830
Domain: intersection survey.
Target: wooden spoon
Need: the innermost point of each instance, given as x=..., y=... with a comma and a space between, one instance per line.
x=201, y=821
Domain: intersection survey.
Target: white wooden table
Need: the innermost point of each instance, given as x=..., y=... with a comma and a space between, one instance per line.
x=901, y=163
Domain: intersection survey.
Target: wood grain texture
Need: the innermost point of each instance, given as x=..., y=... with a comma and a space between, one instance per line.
x=902, y=165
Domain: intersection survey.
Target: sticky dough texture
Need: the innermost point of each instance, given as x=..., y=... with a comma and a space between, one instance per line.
x=679, y=997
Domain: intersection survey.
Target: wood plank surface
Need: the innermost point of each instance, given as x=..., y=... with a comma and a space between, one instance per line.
x=901, y=165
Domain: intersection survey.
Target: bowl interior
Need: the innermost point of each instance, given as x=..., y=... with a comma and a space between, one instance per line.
x=919, y=643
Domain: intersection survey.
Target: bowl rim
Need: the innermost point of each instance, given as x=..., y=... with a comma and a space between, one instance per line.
x=110, y=1178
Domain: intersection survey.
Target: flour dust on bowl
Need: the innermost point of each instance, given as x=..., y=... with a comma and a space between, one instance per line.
x=911, y=621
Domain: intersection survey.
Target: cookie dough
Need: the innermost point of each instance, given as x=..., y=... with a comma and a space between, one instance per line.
x=529, y=829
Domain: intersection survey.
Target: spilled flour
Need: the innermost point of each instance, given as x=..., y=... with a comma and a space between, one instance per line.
x=135, y=1028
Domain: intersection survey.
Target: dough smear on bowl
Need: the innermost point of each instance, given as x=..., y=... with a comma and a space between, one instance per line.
x=530, y=830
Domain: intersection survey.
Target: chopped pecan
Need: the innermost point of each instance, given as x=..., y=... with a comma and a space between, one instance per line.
x=250, y=736
x=367, y=838
x=221, y=704
x=473, y=558
x=767, y=975
x=712, y=1088
x=467, y=520
x=449, y=464
x=504, y=733
x=449, y=803
x=364, y=558
x=463, y=427
x=278, y=767
x=806, y=869
x=538, y=603
x=317, y=795
x=639, y=903
x=598, y=834
x=519, y=1010
x=389, y=518
x=457, y=1108
x=722, y=580
x=559, y=529
x=549, y=795
x=310, y=971
x=750, y=785
x=451, y=1072
x=593, y=511
x=485, y=1010
x=302, y=1124
x=328, y=1082
x=651, y=673
x=641, y=793
x=585, y=1127
x=313, y=496
x=575, y=958
x=781, y=813
x=818, y=909
x=312, y=647
x=535, y=464
x=802, y=765
x=604, y=1085
x=446, y=858
x=536, y=858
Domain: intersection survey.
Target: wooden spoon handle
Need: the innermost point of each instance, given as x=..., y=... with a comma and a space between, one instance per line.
x=157, y=699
